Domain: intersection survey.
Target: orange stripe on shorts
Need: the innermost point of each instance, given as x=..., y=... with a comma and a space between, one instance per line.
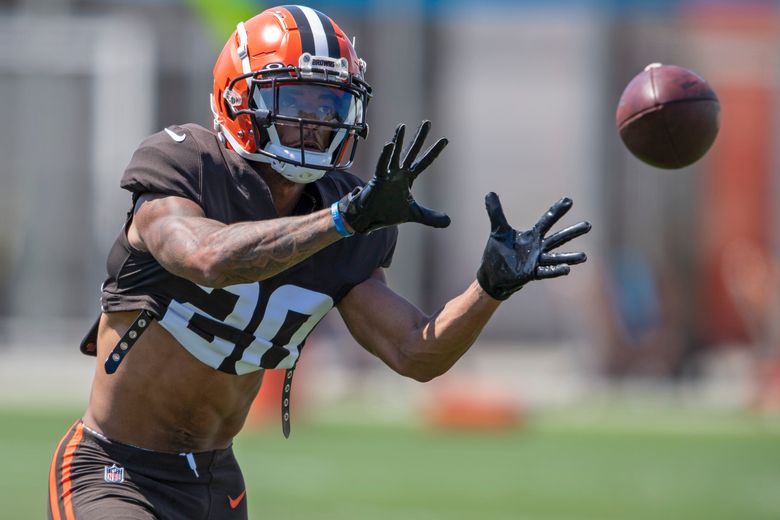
x=53, y=497
x=67, y=459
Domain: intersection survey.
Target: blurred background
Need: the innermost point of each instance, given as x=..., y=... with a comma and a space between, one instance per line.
x=607, y=383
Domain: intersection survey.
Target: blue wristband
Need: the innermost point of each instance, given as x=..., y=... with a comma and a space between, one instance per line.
x=338, y=220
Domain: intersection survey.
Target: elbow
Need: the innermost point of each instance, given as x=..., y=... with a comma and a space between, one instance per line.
x=207, y=269
x=421, y=371
x=418, y=362
x=423, y=376
x=208, y=278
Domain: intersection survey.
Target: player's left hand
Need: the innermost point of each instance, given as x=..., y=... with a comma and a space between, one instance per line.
x=387, y=199
x=513, y=258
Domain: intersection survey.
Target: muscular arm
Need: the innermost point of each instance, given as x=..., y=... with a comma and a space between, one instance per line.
x=411, y=343
x=185, y=242
x=424, y=347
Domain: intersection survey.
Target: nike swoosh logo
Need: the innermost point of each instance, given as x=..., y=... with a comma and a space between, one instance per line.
x=235, y=501
x=176, y=137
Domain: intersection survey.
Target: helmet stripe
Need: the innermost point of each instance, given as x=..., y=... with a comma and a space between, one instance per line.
x=330, y=35
x=317, y=30
x=318, y=35
x=304, y=29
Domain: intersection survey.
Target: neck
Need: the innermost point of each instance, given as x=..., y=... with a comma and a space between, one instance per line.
x=284, y=193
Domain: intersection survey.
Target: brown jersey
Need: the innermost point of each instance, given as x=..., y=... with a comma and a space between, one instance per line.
x=243, y=327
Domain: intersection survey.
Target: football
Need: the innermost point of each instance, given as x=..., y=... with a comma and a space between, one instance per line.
x=668, y=116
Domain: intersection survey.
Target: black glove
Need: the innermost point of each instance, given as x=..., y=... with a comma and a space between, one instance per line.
x=513, y=258
x=386, y=199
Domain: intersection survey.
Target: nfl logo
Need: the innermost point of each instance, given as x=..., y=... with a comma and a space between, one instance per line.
x=114, y=474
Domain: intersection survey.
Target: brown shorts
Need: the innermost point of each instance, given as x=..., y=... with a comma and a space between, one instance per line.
x=94, y=478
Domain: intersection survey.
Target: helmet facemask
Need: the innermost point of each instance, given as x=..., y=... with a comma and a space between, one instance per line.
x=305, y=119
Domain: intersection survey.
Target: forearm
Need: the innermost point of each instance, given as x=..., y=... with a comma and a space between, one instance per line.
x=217, y=255
x=434, y=347
x=252, y=251
x=411, y=343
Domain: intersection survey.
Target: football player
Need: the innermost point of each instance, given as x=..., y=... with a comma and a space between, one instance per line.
x=239, y=240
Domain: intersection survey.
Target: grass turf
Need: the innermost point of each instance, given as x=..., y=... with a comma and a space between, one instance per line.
x=553, y=469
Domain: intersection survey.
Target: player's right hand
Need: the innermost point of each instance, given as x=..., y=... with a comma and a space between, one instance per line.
x=387, y=199
x=513, y=258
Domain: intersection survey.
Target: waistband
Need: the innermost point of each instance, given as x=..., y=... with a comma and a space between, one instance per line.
x=192, y=463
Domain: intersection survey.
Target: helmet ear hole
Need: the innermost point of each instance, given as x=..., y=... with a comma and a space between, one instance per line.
x=228, y=109
x=232, y=101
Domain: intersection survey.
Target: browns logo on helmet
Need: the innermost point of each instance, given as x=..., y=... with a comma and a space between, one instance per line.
x=289, y=91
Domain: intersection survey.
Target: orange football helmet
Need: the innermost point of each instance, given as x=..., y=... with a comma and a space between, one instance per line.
x=289, y=91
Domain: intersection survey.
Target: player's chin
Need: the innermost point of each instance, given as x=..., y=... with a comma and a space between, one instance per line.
x=314, y=147
x=308, y=146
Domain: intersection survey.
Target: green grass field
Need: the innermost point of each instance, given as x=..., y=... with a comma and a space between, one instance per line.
x=556, y=468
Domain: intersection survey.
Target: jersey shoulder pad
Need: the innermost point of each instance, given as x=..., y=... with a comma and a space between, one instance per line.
x=169, y=162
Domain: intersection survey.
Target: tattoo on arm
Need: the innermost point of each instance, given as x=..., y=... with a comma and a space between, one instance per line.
x=252, y=251
x=211, y=253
